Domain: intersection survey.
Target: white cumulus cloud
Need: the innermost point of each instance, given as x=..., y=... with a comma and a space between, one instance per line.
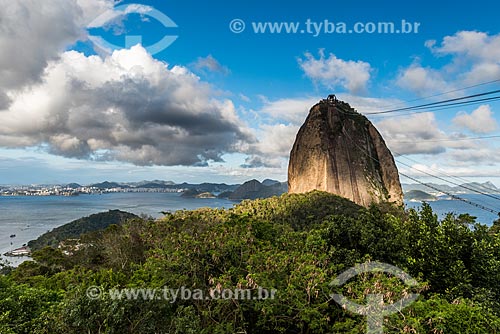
x=414, y=134
x=474, y=58
x=334, y=72
x=421, y=80
x=471, y=44
x=480, y=120
x=210, y=64
x=127, y=107
x=476, y=55
x=33, y=33
x=274, y=146
x=293, y=110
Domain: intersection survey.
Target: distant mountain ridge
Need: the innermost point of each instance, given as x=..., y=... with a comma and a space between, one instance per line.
x=224, y=190
x=159, y=184
x=267, y=188
x=486, y=187
x=145, y=183
x=109, y=185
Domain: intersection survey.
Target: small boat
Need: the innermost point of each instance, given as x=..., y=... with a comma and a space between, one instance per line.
x=12, y=235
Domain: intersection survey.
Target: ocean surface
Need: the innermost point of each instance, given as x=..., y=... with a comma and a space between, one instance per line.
x=444, y=206
x=27, y=217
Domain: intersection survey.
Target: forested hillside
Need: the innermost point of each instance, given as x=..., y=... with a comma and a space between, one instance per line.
x=74, y=229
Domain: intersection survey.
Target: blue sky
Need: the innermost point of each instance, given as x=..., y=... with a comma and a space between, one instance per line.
x=224, y=107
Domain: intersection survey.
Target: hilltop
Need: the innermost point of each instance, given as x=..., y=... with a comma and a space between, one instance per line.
x=340, y=151
x=76, y=228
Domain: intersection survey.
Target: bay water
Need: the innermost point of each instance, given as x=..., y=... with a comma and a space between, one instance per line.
x=23, y=218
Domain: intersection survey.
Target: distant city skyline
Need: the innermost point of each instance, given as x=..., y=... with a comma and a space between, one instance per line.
x=124, y=91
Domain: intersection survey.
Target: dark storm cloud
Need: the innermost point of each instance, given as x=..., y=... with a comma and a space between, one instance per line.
x=141, y=113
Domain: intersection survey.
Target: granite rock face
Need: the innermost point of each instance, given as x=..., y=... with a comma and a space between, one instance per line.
x=340, y=151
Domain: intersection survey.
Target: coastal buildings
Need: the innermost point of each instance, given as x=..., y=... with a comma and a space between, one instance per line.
x=22, y=251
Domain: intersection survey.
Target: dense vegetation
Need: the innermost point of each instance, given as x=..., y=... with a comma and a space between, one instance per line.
x=295, y=244
x=74, y=229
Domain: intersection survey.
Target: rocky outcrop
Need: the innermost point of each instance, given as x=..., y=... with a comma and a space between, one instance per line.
x=339, y=151
x=253, y=189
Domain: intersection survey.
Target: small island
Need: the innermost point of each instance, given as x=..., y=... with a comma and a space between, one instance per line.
x=205, y=195
x=194, y=193
x=419, y=196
